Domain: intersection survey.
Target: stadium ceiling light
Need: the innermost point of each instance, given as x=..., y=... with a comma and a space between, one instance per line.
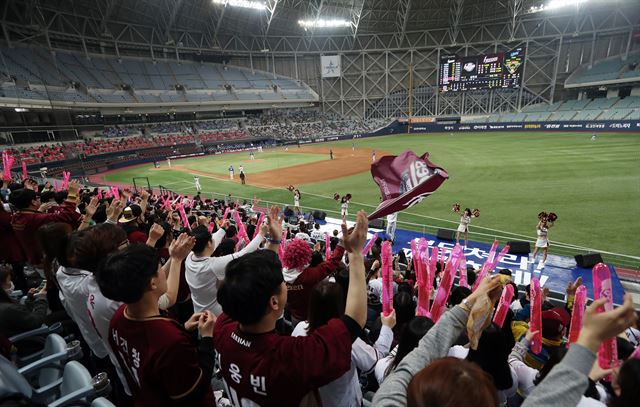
x=324, y=23
x=555, y=4
x=254, y=5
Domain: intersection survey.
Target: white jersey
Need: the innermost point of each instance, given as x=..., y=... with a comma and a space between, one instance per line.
x=345, y=390
x=74, y=290
x=100, y=310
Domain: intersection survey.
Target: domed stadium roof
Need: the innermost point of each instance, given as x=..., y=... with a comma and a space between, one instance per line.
x=230, y=25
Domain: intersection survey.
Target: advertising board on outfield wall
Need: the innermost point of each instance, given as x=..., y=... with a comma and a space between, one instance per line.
x=609, y=125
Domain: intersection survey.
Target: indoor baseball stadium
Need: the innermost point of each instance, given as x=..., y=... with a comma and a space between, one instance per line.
x=349, y=203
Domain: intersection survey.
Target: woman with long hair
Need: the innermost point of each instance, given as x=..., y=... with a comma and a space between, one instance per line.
x=463, y=227
x=542, y=242
x=409, y=338
x=327, y=301
x=492, y=357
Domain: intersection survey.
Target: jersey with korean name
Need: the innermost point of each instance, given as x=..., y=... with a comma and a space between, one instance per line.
x=272, y=370
x=158, y=358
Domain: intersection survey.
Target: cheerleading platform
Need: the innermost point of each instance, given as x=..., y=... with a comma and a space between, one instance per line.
x=557, y=273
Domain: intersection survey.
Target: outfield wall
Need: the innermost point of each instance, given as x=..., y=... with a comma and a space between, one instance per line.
x=564, y=126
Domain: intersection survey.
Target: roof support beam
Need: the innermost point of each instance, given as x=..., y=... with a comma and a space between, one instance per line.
x=455, y=17
x=402, y=17
x=356, y=14
x=272, y=5
x=174, y=7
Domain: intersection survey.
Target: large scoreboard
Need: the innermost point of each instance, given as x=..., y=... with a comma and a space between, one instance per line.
x=488, y=71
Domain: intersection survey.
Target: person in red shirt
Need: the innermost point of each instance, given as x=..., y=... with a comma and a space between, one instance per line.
x=161, y=362
x=300, y=278
x=260, y=367
x=28, y=218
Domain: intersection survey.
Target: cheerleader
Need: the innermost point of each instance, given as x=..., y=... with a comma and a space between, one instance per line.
x=296, y=200
x=545, y=221
x=344, y=205
x=465, y=219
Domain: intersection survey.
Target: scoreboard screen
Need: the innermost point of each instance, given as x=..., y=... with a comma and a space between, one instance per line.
x=488, y=71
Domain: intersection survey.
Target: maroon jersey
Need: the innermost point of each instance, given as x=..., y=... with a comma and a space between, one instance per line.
x=299, y=291
x=272, y=370
x=158, y=358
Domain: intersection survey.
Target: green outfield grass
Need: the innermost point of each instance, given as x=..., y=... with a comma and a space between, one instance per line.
x=267, y=160
x=593, y=186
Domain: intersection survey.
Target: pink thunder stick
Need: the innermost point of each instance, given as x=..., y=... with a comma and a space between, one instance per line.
x=66, y=176
x=608, y=352
x=426, y=270
x=226, y=213
x=7, y=163
x=486, y=266
x=535, y=316
x=369, y=244
x=260, y=220
x=327, y=246
x=99, y=194
x=499, y=258
x=241, y=230
x=387, y=279
x=210, y=227
x=463, y=271
x=183, y=215
x=503, y=305
x=115, y=192
x=442, y=252
x=24, y=170
x=577, y=313
x=437, y=308
x=418, y=266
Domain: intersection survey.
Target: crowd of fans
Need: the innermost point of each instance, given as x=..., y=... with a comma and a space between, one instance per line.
x=280, y=125
x=174, y=300
x=313, y=130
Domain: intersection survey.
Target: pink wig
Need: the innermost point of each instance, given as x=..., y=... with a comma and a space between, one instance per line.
x=297, y=254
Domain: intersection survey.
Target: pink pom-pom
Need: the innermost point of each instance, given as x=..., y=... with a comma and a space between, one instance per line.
x=296, y=254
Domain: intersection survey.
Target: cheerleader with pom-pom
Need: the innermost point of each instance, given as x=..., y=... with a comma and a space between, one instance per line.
x=545, y=221
x=465, y=219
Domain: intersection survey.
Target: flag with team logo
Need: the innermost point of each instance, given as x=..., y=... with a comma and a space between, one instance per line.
x=404, y=181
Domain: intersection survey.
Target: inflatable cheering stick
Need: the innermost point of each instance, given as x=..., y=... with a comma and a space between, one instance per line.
x=535, y=317
x=439, y=303
x=260, y=220
x=327, y=246
x=577, y=313
x=503, y=305
x=608, y=352
x=369, y=244
x=387, y=279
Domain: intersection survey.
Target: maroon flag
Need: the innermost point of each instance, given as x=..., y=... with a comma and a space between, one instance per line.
x=404, y=180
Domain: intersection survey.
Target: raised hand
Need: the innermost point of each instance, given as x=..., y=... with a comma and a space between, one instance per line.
x=275, y=223
x=144, y=195
x=389, y=320
x=156, y=232
x=92, y=207
x=182, y=246
x=114, y=210
x=46, y=206
x=354, y=240
x=573, y=286
x=73, y=188
x=598, y=326
x=490, y=285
